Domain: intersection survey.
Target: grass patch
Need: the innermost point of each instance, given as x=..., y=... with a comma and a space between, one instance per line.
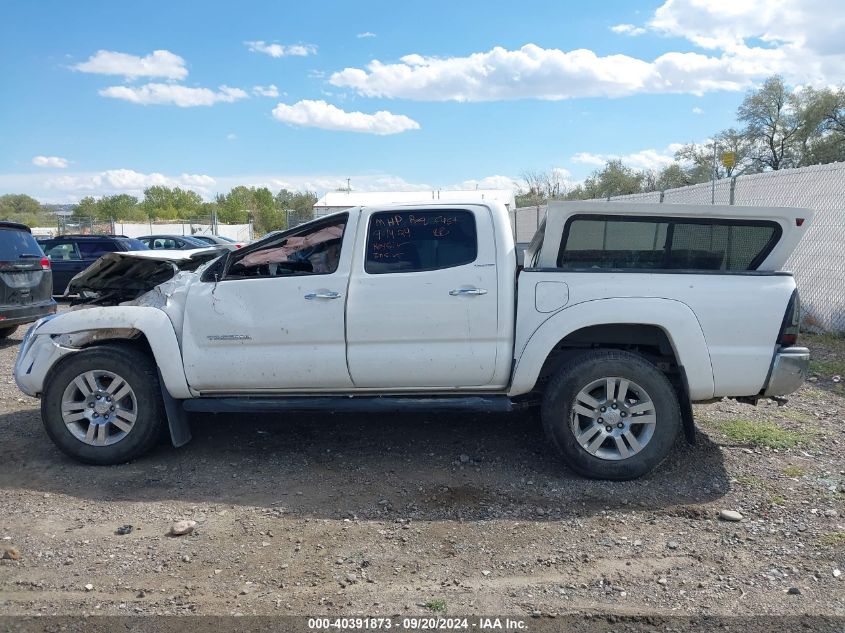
x=827, y=368
x=437, y=605
x=796, y=416
x=751, y=481
x=777, y=500
x=812, y=392
x=794, y=471
x=832, y=539
x=830, y=341
x=759, y=433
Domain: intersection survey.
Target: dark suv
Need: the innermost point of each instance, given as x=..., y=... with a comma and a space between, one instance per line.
x=26, y=285
x=71, y=254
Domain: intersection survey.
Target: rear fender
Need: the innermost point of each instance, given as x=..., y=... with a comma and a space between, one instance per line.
x=675, y=318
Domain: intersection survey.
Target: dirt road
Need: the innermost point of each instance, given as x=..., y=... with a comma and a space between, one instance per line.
x=331, y=514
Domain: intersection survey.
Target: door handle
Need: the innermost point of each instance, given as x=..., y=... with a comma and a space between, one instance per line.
x=331, y=294
x=467, y=291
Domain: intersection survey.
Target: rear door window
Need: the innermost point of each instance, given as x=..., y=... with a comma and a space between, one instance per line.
x=16, y=245
x=660, y=243
x=131, y=244
x=415, y=241
x=61, y=251
x=95, y=248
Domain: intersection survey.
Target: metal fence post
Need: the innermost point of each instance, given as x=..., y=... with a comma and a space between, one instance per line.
x=733, y=189
x=662, y=194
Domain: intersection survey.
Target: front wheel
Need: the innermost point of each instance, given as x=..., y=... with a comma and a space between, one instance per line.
x=612, y=415
x=102, y=405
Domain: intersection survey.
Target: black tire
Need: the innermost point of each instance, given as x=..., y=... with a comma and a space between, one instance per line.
x=138, y=370
x=559, y=400
x=6, y=332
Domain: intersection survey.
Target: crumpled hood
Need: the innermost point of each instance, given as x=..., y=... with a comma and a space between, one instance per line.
x=118, y=277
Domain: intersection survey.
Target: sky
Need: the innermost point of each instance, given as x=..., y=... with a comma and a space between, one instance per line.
x=111, y=97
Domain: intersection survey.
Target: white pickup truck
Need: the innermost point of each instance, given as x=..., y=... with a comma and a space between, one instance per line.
x=623, y=315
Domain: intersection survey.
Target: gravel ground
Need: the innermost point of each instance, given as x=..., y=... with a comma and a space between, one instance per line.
x=420, y=514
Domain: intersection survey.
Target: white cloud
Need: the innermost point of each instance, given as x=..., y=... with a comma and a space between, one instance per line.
x=742, y=42
x=50, y=161
x=801, y=40
x=69, y=188
x=539, y=73
x=489, y=182
x=281, y=50
x=173, y=94
x=231, y=136
x=697, y=110
x=129, y=181
x=628, y=29
x=197, y=180
x=588, y=158
x=266, y=91
x=365, y=34
x=160, y=63
x=644, y=159
x=323, y=115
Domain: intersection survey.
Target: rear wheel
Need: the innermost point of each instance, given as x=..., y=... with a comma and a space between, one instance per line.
x=612, y=415
x=6, y=332
x=103, y=405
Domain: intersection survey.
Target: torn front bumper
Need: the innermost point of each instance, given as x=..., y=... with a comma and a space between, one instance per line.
x=36, y=355
x=790, y=368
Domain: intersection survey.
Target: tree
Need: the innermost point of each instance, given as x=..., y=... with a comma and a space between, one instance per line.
x=236, y=206
x=297, y=206
x=166, y=203
x=614, y=179
x=697, y=159
x=19, y=203
x=772, y=124
x=673, y=176
x=541, y=186
x=822, y=132
x=119, y=207
x=18, y=207
x=85, y=208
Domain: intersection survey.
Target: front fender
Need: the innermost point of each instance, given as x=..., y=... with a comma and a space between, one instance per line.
x=675, y=318
x=41, y=351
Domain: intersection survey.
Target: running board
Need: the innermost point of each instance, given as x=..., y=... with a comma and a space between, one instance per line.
x=349, y=404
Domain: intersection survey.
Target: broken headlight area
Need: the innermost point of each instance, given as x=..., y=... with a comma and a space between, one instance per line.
x=119, y=277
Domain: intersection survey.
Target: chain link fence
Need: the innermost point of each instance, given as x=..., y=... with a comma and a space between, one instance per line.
x=204, y=225
x=819, y=261
x=67, y=225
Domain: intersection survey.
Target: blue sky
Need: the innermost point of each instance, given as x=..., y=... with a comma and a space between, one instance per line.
x=392, y=95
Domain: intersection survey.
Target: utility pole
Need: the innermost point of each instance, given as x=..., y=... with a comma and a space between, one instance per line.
x=713, y=181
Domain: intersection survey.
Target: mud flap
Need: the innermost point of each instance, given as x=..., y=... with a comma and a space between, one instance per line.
x=177, y=419
x=685, y=405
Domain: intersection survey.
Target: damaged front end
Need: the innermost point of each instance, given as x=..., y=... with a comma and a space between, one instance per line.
x=116, y=278
x=111, y=298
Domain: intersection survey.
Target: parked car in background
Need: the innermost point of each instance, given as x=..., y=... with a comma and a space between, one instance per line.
x=71, y=254
x=172, y=242
x=219, y=240
x=26, y=282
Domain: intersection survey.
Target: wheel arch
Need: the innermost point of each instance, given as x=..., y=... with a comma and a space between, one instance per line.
x=149, y=328
x=619, y=322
